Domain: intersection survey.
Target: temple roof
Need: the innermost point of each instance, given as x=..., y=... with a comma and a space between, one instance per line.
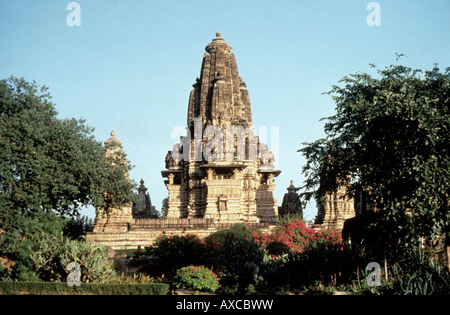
x=219, y=96
x=218, y=43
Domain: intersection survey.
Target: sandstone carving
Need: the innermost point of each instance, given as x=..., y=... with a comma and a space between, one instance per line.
x=234, y=183
x=336, y=208
x=218, y=175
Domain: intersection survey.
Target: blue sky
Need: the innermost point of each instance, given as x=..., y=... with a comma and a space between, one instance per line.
x=131, y=64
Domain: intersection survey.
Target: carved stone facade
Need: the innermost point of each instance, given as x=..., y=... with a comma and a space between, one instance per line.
x=220, y=170
x=335, y=210
x=219, y=176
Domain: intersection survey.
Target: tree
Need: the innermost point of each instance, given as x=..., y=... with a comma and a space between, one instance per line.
x=49, y=165
x=390, y=138
x=77, y=227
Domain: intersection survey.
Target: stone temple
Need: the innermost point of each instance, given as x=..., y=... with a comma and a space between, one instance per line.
x=218, y=174
x=334, y=210
x=220, y=170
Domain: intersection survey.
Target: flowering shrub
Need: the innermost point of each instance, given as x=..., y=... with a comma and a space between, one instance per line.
x=198, y=278
x=296, y=237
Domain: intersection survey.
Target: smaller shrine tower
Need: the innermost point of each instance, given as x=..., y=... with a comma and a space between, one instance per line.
x=116, y=220
x=291, y=202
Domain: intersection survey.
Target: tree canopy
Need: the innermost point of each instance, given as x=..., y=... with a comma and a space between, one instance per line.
x=390, y=138
x=51, y=165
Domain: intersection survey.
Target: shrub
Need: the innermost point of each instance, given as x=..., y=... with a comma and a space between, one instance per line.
x=196, y=278
x=240, y=230
x=177, y=251
x=239, y=262
x=41, y=288
x=277, y=248
x=285, y=219
x=75, y=228
x=51, y=254
x=296, y=237
x=420, y=275
x=139, y=278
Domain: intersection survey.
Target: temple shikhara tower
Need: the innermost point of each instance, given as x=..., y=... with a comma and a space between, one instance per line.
x=220, y=170
x=118, y=220
x=217, y=175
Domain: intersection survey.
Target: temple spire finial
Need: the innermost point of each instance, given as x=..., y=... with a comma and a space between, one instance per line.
x=113, y=138
x=217, y=44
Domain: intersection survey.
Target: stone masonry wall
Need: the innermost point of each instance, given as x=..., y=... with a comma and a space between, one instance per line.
x=144, y=232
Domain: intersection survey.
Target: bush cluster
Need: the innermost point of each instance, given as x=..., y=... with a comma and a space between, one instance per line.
x=293, y=257
x=296, y=237
x=43, y=252
x=177, y=251
x=58, y=288
x=197, y=278
x=245, y=260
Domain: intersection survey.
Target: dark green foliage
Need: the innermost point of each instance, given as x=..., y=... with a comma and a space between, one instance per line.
x=19, y=242
x=285, y=219
x=244, y=266
x=58, y=288
x=389, y=142
x=177, y=251
x=419, y=275
x=76, y=228
x=197, y=278
x=329, y=266
x=49, y=167
x=238, y=259
x=50, y=164
x=277, y=248
x=236, y=231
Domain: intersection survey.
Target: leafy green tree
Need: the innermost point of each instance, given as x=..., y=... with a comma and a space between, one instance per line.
x=390, y=140
x=76, y=228
x=49, y=165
